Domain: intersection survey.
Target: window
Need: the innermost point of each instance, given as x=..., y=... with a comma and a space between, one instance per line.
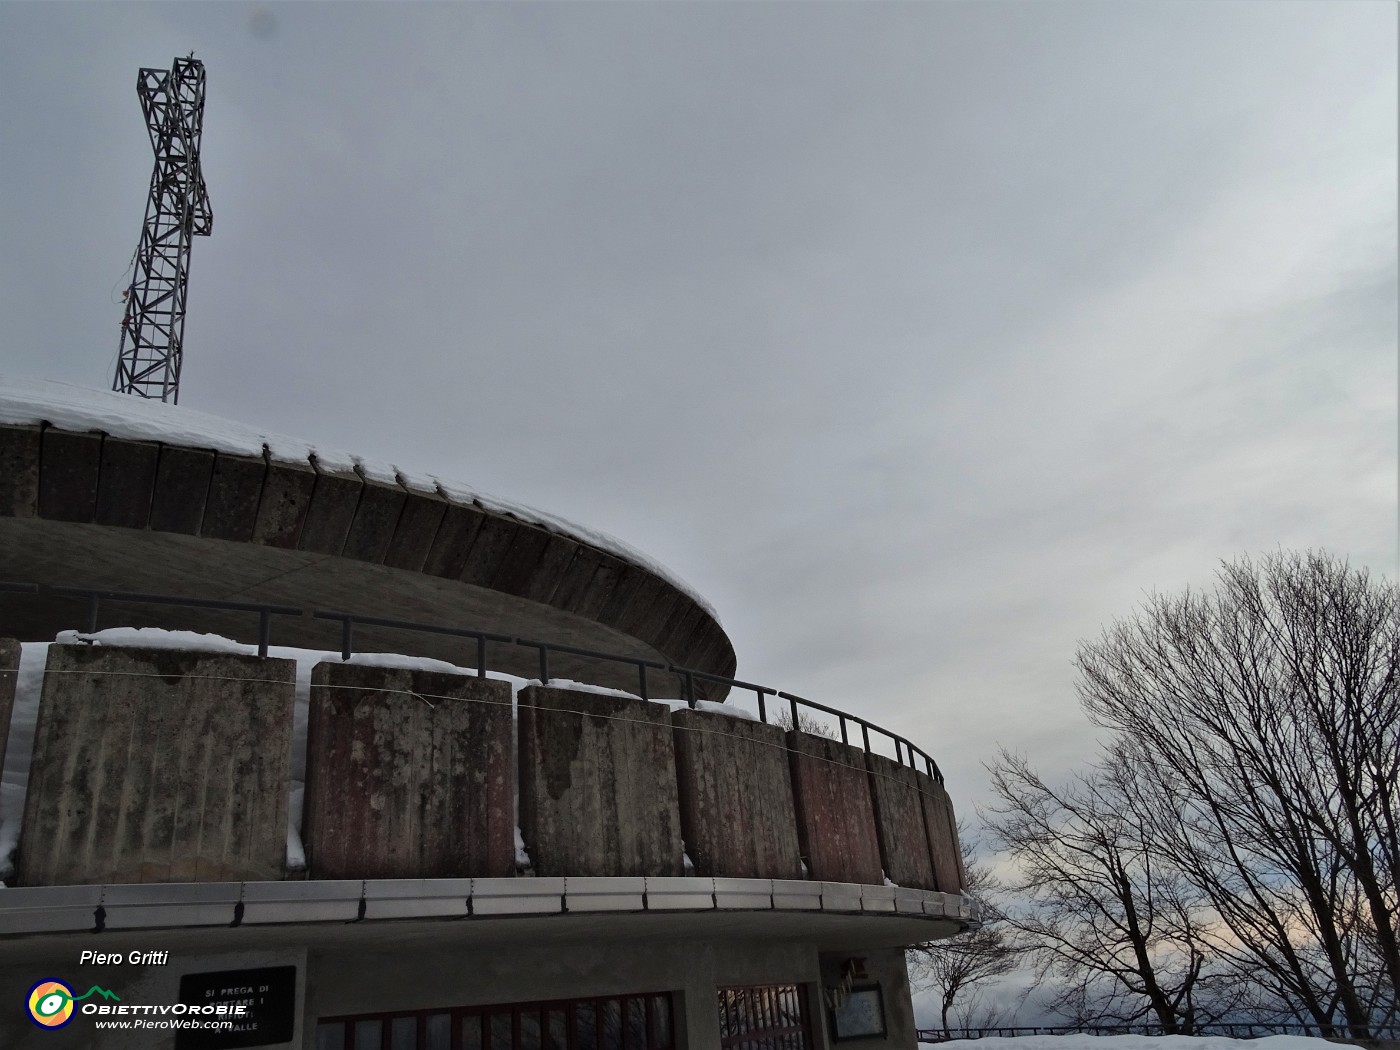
x=622, y=1022
x=768, y=1017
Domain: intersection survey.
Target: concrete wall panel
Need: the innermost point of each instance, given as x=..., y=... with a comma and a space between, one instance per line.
x=19, y=471
x=488, y=549
x=597, y=784
x=573, y=587
x=235, y=489
x=9, y=666
x=409, y=775
x=521, y=561
x=334, y=498
x=68, y=475
x=376, y=518
x=448, y=554
x=942, y=830
x=156, y=765
x=835, y=815
x=416, y=529
x=542, y=579
x=182, y=486
x=737, y=812
x=286, y=499
x=126, y=483
x=899, y=823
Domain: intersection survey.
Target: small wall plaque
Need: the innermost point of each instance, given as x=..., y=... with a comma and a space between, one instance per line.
x=861, y=1016
x=270, y=992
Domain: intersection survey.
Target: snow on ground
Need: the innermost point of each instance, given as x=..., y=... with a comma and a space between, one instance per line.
x=1144, y=1042
x=31, y=401
x=30, y=680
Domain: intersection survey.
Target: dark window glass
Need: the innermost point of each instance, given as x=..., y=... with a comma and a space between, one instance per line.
x=403, y=1033
x=471, y=1032
x=330, y=1036
x=369, y=1035
x=586, y=1026
x=500, y=1032
x=636, y=1024
x=438, y=1032
x=529, y=1030
x=558, y=1030
x=661, y=1036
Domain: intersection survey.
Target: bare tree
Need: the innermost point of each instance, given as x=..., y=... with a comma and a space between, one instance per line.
x=1114, y=933
x=1261, y=723
x=958, y=969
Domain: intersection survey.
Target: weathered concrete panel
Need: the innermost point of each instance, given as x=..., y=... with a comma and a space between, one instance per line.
x=453, y=542
x=68, y=475
x=681, y=627
x=899, y=823
x=376, y=517
x=234, y=492
x=597, y=784
x=541, y=580
x=409, y=775
x=835, y=815
x=417, y=528
x=157, y=765
x=572, y=591
x=605, y=580
x=282, y=510
x=942, y=830
x=737, y=813
x=182, y=486
x=19, y=471
x=9, y=666
x=333, y=502
x=126, y=482
x=518, y=564
x=488, y=550
x=629, y=582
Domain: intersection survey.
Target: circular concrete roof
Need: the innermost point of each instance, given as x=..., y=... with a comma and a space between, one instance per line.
x=109, y=491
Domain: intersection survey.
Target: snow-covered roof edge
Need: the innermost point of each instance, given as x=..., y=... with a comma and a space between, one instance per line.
x=25, y=401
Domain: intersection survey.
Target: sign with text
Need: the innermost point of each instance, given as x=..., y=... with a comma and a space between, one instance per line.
x=269, y=993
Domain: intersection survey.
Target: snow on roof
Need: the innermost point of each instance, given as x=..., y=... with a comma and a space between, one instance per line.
x=70, y=407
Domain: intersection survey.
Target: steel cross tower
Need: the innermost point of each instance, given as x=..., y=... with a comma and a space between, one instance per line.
x=153, y=327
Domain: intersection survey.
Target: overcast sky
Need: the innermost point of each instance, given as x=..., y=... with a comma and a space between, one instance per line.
x=923, y=339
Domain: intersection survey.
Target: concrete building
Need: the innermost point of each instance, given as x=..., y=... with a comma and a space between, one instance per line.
x=473, y=778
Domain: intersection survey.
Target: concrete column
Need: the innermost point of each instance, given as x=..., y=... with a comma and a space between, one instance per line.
x=158, y=765
x=409, y=774
x=597, y=784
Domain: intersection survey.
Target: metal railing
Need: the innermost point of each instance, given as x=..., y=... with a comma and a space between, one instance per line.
x=906, y=753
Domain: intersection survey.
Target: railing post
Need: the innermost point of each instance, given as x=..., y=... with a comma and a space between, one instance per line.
x=544, y=665
x=346, y=632
x=762, y=708
x=93, y=599
x=481, y=656
x=264, y=630
x=792, y=710
x=844, y=738
x=690, y=690
x=642, y=673
x=865, y=735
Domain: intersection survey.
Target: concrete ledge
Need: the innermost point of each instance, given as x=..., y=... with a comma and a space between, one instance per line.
x=539, y=896
x=49, y=909
x=19, y=471
x=68, y=474
x=182, y=487
x=942, y=830
x=376, y=518
x=334, y=498
x=56, y=909
x=417, y=898
x=235, y=490
x=126, y=483
x=286, y=500
x=132, y=907
x=321, y=901
x=685, y=893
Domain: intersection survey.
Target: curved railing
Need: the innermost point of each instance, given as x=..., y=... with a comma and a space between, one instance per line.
x=905, y=752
